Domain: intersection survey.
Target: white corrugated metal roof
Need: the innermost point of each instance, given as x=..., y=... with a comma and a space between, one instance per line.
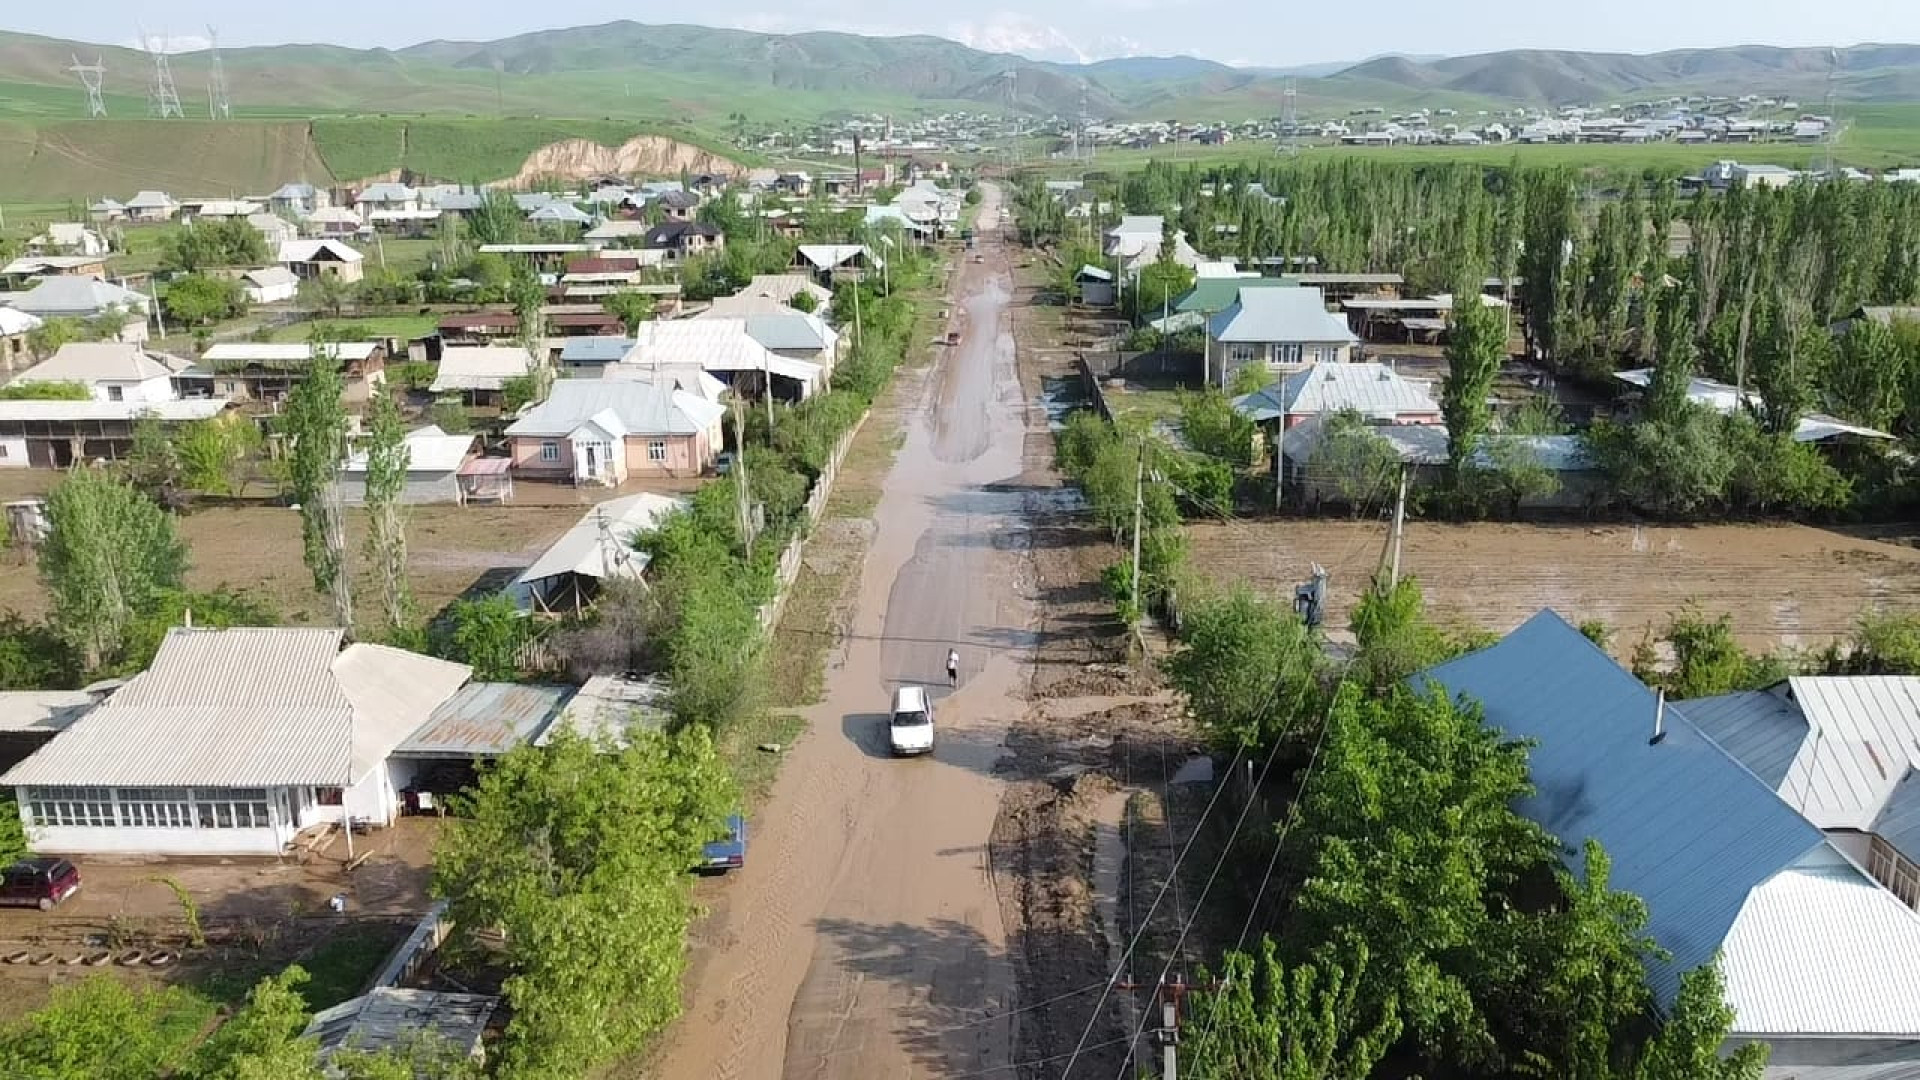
x=42, y=710
x=1373, y=390
x=248, y=707
x=393, y=693
x=17, y=322
x=283, y=352
x=830, y=256
x=480, y=367
x=586, y=551
x=93, y=362
x=429, y=449
x=1824, y=951
x=1725, y=398
x=714, y=345
x=180, y=411
x=301, y=251
x=644, y=407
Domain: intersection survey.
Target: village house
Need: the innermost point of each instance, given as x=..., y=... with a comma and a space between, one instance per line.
x=830, y=262
x=68, y=238
x=479, y=373
x=478, y=327
x=269, y=285
x=16, y=329
x=567, y=577
x=386, y=198
x=1726, y=399
x=311, y=260
x=110, y=370
x=29, y=269
x=618, y=232
x=233, y=742
x=1820, y=961
x=434, y=463
x=588, y=357
x=773, y=294
x=562, y=214
x=274, y=229
x=676, y=205
x=682, y=240
x=151, y=206
x=728, y=351
x=601, y=431
x=1277, y=329
x=107, y=211
x=268, y=371
x=1379, y=394
x=333, y=222
x=298, y=201
x=67, y=297
x=61, y=434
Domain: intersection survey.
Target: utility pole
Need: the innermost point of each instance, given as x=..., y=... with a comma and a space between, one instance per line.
x=1139, y=506
x=742, y=498
x=1399, y=529
x=1169, y=1034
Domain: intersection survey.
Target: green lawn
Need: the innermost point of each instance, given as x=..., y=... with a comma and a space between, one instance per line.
x=404, y=327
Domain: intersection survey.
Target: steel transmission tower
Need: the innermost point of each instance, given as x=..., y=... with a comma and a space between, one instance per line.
x=163, y=100
x=218, y=107
x=91, y=76
x=1289, y=117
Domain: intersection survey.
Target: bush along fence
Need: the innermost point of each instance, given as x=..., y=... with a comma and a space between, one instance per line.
x=721, y=570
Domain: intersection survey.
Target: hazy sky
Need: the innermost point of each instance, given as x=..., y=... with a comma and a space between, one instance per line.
x=1235, y=31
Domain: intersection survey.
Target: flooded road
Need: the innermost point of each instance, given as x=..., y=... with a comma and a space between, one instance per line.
x=864, y=938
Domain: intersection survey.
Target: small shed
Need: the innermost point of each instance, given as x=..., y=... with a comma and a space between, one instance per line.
x=480, y=722
x=434, y=463
x=1095, y=285
x=567, y=577
x=394, y=1018
x=487, y=480
x=609, y=706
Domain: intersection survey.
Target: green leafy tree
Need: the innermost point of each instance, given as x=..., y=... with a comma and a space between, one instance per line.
x=203, y=245
x=497, y=220
x=1394, y=639
x=1707, y=659
x=803, y=301
x=1675, y=469
x=450, y=416
x=1419, y=887
x=708, y=610
x=632, y=309
x=217, y=609
x=1476, y=344
x=46, y=391
x=1250, y=669
x=326, y=293
x=152, y=463
x=1673, y=357
x=1511, y=468
x=578, y=853
x=1885, y=643
x=1774, y=473
x=109, y=552
x=1353, y=459
x=386, y=483
x=1211, y=426
x=315, y=427
x=197, y=300
x=1156, y=287
x=1308, y=1021
x=103, y=1029
x=1689, y=1046
x=215, y=455
x=487, y=633
x=520, y=391
x=33, y=657
x=1869, y=374
x=262, y=1041
x=45, y=340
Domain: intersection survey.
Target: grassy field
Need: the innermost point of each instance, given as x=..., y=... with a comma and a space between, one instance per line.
x=404, y=327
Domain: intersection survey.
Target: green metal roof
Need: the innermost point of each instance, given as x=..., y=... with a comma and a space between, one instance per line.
x=1211, y=295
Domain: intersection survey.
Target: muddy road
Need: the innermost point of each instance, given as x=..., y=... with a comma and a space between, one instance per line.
x=864, y=938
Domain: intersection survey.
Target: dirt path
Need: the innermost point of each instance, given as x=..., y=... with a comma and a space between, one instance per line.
x=865, y=936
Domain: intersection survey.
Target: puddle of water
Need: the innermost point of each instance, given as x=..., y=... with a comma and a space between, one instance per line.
x=1060, y=397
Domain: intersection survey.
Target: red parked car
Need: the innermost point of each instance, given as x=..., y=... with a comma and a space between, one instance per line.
x=40, y=883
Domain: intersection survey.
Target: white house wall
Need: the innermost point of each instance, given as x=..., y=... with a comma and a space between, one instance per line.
x=13, y=454
x=74, y=840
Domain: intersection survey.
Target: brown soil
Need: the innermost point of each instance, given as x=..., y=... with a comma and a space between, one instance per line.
x=1784, y=585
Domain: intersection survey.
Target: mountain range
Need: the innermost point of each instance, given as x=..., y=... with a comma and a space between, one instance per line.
x=694, y=70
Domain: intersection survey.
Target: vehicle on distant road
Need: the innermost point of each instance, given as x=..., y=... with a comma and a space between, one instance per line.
x=730, y=853
x=910, y=727
x=40, y=883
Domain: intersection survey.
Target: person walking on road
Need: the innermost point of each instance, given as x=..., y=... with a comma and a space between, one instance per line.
x=953, y=667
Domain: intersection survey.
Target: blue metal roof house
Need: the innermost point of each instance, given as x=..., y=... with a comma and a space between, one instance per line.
x=1821, y=961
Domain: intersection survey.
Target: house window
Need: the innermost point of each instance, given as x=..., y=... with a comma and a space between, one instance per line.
x=657, y=450
x=116, y=393
x=156, y=808
x=1288, y=353
x=329, y=796
x=549, y=451
x=1240, y=354
x=83, y=807
x=232, y=808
